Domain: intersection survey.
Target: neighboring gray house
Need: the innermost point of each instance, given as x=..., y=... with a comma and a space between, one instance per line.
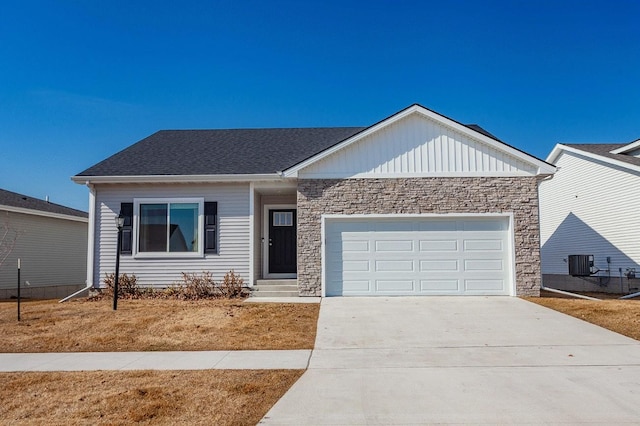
x=416, y=204
x=591, y=207
x=51, y=244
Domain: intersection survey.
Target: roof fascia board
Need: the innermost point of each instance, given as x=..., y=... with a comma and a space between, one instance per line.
x=33, y=212
x=555, y=152
x=82, y=180
x=627, y=148
x=596, y=157
x=543, y=167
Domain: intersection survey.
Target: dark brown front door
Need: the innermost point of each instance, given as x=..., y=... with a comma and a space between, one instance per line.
x=282, y=241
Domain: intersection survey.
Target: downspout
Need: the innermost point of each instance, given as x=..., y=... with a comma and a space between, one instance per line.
x=631, y=296
x=566, y=293
x=90, y=242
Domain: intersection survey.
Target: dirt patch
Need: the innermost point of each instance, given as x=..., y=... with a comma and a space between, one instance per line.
x=218, y=397
x=621, y=316
x=156, y=325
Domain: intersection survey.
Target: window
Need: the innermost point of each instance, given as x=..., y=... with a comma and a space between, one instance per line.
x=176, y=226
x=282, y=218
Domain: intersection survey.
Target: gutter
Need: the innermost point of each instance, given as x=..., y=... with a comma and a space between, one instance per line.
x=82, y=180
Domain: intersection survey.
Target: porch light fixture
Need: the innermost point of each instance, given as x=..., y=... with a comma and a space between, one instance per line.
x=119, y=225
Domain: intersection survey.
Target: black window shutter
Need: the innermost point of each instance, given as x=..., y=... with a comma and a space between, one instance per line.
x=210, y=226
x=126, y=209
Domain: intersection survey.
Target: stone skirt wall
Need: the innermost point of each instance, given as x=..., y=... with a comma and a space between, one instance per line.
x=517, y=195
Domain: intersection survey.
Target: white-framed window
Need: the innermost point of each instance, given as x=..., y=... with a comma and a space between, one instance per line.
x=168, y=227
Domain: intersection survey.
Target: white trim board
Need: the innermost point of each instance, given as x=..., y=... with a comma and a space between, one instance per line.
x=265, y=239
x=557, y=150
x=33, y=212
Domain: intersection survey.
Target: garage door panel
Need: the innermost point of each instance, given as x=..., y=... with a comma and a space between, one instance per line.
x=395, y=286
x=438, y=265
x=482, y=225
x=484, y=285
x=355, y=266
x=394, y=266
x=394, y=245
x=483, y=245
x=483, y=265
x=438, y=225
x=439, y=285
x=417, y=256
x=353, y=246
x=438, y=245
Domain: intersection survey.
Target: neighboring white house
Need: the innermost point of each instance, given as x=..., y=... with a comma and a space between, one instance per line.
x=416, y=204
x=51, y=244
x=591, y=206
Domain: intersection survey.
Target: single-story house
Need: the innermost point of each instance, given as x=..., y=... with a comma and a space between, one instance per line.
x=51, y=242
x=590, y=210
x=416, y=204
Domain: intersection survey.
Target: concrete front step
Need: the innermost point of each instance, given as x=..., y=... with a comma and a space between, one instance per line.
x=290, y=281
x=266, y=293
x=260, y=288
x=275, y=288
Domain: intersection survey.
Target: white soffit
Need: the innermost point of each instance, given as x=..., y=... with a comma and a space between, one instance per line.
x=424, y=144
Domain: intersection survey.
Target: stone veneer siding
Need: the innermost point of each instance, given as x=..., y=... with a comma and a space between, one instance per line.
x=518, y=195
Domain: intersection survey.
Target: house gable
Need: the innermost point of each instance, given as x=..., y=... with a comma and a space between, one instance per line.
x=415, y=143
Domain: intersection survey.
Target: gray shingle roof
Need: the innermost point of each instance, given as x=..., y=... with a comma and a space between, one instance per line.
x=604, y=149
x=226, y=151
x=206, y=152
x=13, y=199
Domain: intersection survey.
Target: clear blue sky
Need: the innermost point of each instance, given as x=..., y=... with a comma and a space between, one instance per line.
x=81, y=79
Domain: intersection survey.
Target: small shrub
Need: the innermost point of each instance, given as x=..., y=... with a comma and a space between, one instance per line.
x=127, y=286
x=194, y=287
x=232, y=286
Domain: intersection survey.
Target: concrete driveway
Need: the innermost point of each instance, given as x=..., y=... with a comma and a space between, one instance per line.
x=463, y=360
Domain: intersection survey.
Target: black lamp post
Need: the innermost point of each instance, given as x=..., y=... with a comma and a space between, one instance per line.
x=119, y=225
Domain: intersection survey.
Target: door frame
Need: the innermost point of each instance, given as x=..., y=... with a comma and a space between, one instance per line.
x=265, y=239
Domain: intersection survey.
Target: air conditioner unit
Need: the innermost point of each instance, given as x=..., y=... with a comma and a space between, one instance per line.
x=580, y=265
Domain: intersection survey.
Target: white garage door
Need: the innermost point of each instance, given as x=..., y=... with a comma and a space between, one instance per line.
x=424, y=256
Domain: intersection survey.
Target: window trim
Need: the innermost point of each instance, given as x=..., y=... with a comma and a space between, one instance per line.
x=164, y=255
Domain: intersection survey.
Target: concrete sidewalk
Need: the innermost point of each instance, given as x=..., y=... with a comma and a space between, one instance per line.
x=461, y=360
x=197, y=360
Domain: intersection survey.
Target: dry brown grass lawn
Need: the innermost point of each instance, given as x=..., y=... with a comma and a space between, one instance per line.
x=621, y=316
x=239, y=397
x=156, y=325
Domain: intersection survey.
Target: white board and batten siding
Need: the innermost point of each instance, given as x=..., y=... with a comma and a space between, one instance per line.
x=590, y=207
x=418, y=146
x=425, y=255
x=233, y=233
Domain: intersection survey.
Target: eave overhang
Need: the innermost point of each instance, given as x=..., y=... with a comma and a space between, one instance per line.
x=86, y=180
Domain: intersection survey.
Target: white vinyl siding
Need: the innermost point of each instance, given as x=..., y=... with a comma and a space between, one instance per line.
x=590, y=207
x=233, y=233
x=418, y=256
x=417, y=146
x=53, y=251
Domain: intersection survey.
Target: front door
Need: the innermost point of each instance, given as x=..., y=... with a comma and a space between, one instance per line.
x=282, y=241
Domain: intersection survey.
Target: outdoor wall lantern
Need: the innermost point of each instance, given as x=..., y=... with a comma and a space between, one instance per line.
x=119, y=225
